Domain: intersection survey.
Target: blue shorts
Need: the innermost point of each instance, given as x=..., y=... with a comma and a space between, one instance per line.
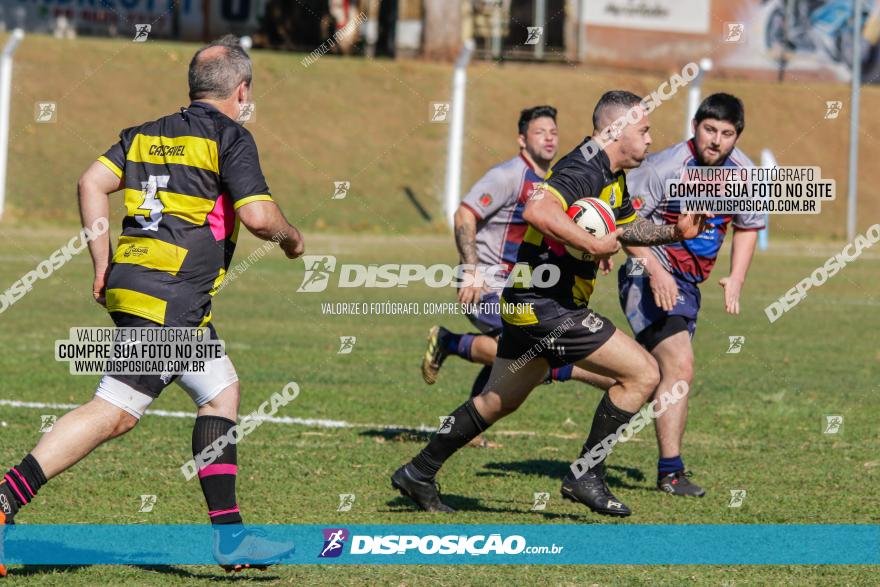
x=487, y=318
x=648, y=319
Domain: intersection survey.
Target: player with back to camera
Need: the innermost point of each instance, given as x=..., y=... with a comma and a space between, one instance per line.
x=189, y=179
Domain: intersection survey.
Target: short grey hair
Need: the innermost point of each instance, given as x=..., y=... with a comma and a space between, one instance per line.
x=218, y=76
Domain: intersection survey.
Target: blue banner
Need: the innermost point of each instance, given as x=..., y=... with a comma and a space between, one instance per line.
x=722, y=544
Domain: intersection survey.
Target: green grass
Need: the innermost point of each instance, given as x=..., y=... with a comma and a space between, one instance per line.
x=755, y=418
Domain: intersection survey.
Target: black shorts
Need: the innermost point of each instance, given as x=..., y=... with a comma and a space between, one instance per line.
x=561, y=341
x=662, y=329
x=152, y=385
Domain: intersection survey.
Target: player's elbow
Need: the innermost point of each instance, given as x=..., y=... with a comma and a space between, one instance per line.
x=464, y=217
x=259, y=218
x=86, y=182
x=88, y=189
x=260, y=228
x=98, y=181
x=534, y=212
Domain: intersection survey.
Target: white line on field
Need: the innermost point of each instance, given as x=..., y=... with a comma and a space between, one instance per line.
x=313, y=422
x=317, y=422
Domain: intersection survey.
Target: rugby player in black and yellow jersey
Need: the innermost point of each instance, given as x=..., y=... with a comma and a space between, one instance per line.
x=189, y=179
x=548, y=327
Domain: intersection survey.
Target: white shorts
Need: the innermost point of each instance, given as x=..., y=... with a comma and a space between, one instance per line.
x=202, y=387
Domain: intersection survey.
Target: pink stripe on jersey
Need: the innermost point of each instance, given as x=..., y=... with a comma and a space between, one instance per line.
x=218, y=470
x=222, y=218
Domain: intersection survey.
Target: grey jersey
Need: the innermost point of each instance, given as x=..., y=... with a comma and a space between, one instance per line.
x=498, y=200
x=693, y=259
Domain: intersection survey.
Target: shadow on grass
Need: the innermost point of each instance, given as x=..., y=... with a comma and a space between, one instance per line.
x=36, y=570
x=618, y=476
x=183, y=571
x=399, y=434
x=179, y=571
x=465, y=504
x=538, y=467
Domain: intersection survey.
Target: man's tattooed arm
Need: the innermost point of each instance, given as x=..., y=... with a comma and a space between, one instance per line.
x=466, y=239
x=645, y=233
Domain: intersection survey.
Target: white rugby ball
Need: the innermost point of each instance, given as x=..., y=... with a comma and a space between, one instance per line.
x=594, y=216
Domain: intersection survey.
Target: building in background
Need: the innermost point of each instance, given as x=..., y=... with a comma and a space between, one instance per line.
x=808, y=39
x=746, y=38
x=190, y=20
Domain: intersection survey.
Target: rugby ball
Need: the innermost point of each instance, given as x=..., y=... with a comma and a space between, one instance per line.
x=594, y=216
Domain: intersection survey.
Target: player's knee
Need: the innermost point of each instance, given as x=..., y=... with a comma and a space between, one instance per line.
x=124, y=422
x=651, y=381
x=686, y=370
x=506, y=408
x=215, y=389
x=117, y=406
x=647, y=375
x=226, y=403
x=228, y=398
x=492, y=407
x=681, y=368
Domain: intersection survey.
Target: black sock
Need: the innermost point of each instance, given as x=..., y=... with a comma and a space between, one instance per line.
x=218, y=477
x=481, y=380
x=468, y=424
x=20, y=485
x=606, y=421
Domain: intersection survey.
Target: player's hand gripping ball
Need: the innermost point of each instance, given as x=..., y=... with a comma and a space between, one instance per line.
x=594, y=216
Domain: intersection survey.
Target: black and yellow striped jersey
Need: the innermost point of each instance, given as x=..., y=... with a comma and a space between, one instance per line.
x=184, y=177
x=573, y=177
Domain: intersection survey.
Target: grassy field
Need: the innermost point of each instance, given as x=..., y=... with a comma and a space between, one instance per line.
x=756, y=416
x=755, y=423
x=367, y=122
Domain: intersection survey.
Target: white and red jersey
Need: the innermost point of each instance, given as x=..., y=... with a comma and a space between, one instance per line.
x=498, y=200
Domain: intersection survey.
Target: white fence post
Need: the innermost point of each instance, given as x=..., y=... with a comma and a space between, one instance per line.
x=456, y=132
x=767, y=160
x=5, y=99
x=694, y=92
